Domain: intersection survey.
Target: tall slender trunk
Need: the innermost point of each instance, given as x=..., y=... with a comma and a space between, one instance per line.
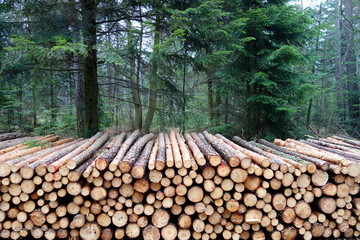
x=209, y=80
x=91, y=87
x=338, y=62
x=79, y=103
x=308, y=116
x=52, y=105
x=34, y=103
x=20, y=109
x=184, y=94
x=217, y=107
x=135, y=89
x=154, y=78
x=350, y=64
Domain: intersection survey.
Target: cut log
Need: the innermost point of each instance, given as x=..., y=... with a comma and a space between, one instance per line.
x=129, y=159
x=187, y=162
x=199, y=157
x=123, y=149
x=224, y=151
x=86, y=154
x=151, y=233
x=138, y=170
x=175, y=149
x=90, y=231
x=160, y=218
x=104, y=159
x=53, y=167
x=161, y=153
x=257, y=158
x=8, y=136
x=209, y=152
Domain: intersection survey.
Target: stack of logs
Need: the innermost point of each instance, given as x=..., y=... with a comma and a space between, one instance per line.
x=175, y=186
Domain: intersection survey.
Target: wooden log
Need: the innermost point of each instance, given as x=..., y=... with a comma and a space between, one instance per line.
x=253, y=216
x=257, y=158
x=318, y=162
x=169, y=154
x=327, y=205
x=185, y=153
x=129, y=159
x=11, y=135
x=199, y=157
x=195, y=194
x=152, y=158
x=225, y=151
x=102, y=161
x=169, y=232
x=303, y=209
x=123, y=149
x=151, y=233
x=178, y=162
x=139, y=167
x=209, y=152
x=54, y=166
x=90, y=231
x=161, y=153
x=86, y=154
x=245, y=161
x=315, y=152
x=349, y=141
x=160, y=218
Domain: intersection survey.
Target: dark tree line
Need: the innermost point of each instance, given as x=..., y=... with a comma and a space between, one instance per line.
x=254, y=67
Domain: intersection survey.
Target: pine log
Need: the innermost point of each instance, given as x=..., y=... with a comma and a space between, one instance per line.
x=315, y=152
x=26, y=160
x=123, y=149
x=54, y=166
x=14, y=142
x=8, y=136
x=318, y=162
x=129, y=159
x=169, y=154
x=139, y=168
x=340, y=149
x=86, y=154
x=199, y=157
x=105, y=158
x=151, y=233
x=160, y=218
x=152, y=158
x=175, y=149
x=211, y=155
x=161, y=153
x=90, y=231
x=349, y=141
x=225, y=151
x=257, y=158
x=187, y=162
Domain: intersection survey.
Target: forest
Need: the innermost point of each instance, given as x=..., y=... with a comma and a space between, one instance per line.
x=253, y=68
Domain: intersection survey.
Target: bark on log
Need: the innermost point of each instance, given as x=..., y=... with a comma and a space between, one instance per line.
x=129, y=159
x=123, y=149
x=104, y=159
x=139, y=168
x=213, y=158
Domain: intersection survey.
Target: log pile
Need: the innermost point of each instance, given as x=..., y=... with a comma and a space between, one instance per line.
x=178, y=186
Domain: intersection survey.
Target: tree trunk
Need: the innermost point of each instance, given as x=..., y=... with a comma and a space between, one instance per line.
x=52, y=105
x=135, y=91
x=338, y=61
x=350, y=64
x=154, y=78
x=33, y=91
x=91, y=87
x=79, y=103
x=210, y=97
